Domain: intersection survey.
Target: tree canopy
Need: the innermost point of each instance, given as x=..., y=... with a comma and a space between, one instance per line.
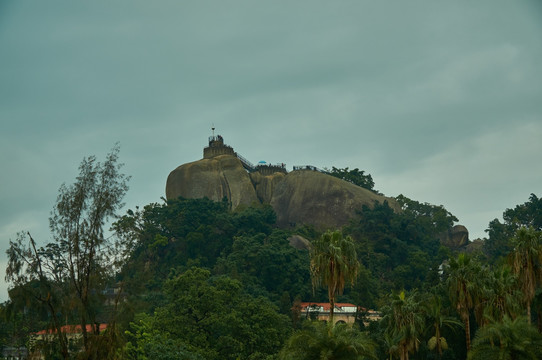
x=334, y=263
x=72, y=272
x=528, y=214
x=354, y=176
x=216, y=319
x=196, y=279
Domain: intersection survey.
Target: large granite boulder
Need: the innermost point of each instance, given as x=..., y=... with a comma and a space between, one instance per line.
x=315, y=198
x=214, y=178
x=299, y=197
x=265, y=184
x=299, y=242
x=455, y=238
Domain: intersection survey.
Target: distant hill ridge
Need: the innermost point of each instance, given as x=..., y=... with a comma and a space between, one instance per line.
x=305, y=195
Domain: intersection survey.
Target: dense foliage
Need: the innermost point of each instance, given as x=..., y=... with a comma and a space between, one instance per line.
x=194, y=279
x=242, y=244
x=318, y=340
x=68, y=276
x=400, y=250
x=354, y=176
x=528, y=214
x=217, y=320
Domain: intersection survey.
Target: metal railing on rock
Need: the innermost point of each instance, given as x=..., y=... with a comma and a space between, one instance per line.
x=308, y=167
x=246, y=164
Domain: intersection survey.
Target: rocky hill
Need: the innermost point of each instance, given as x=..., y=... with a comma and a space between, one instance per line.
x=298, y=197
x=215, y=178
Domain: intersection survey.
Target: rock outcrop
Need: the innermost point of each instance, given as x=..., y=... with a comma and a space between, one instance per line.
x=312, y=197
x=299, y=197
x=265, y=184
x=214, y=178
x=299, y=242
x=455, y=238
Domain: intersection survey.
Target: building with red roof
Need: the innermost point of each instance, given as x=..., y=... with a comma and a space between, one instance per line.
x=343, y=312
x=74, y=335
x=71, y=329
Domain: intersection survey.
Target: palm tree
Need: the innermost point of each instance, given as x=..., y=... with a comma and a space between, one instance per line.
x=526, y=261
x=405, y=322
x=390, y=342
x=333, y=263
x=503, y=297
x=325, y=341
x=463, y=288
x=507, y=339
x=439, y=320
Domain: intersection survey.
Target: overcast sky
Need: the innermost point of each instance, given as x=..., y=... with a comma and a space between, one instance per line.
x=438, y=100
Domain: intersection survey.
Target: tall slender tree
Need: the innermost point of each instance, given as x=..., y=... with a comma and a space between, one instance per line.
x=507, y=339
x=439, y=320
x=80, y=258
x=503, y=297
x=333, y=263
x=31, y=274
x=463, y=274
x=526, y=262
x=405, y=321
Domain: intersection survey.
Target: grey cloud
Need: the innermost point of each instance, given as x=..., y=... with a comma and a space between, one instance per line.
x=405, y=91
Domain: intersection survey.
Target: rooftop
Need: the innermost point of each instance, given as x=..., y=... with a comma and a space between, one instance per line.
x=71, y=329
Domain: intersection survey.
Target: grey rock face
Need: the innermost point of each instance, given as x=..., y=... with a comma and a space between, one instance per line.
x=299, y=197
x=214, y=178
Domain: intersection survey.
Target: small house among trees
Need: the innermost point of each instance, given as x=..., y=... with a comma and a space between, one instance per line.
x=343, y=312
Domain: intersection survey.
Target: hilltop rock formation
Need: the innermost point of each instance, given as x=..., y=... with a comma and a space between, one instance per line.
x=214, y=178
x=312, y=197
x=265, y=184
x=299, y=197
x=455, y=238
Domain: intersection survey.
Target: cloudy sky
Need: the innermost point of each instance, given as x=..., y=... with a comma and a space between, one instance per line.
x=439, y=100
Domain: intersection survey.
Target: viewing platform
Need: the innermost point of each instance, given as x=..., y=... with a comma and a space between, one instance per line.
x=217, y=147
x=308, y=167
x=269, y=169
